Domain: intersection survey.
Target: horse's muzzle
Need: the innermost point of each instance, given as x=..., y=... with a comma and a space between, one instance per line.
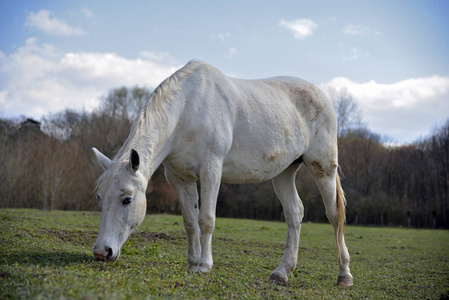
x=104, y=255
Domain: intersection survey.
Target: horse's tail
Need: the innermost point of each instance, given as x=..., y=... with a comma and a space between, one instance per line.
x=341, y=213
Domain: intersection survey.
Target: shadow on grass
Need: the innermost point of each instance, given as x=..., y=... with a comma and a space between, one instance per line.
x=48, y=258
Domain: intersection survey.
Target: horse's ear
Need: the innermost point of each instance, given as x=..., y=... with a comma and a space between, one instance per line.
x=102, y=159
x=134, y=160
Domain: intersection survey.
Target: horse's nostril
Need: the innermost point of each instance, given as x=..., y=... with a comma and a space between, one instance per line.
x=109, y=252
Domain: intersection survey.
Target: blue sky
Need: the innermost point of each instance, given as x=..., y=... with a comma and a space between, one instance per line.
x=391, y=56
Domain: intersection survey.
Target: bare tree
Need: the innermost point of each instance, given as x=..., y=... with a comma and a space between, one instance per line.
x=439, y=155
x=139, y=97
x=349, y=115
x=61, y=125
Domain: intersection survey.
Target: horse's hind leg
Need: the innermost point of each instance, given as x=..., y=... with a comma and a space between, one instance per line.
x=285, y=188
x=324, y=172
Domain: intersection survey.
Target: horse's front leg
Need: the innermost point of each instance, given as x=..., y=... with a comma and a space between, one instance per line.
x=187, y=194
x=210, y=177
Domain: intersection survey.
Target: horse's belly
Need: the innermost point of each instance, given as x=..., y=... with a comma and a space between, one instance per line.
x=245, y=175
x=249, y=169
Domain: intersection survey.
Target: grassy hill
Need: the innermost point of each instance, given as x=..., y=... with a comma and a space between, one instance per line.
x=49, y=255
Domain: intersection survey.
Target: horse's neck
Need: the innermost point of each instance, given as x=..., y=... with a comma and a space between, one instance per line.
x=153, y=139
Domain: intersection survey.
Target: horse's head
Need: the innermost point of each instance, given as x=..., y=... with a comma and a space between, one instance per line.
x=121, y=191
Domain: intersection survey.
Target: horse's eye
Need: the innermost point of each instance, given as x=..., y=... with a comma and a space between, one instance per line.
x=127, y=201
x=98, y=197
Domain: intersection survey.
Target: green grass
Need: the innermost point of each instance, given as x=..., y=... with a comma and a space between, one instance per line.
x=49, y=255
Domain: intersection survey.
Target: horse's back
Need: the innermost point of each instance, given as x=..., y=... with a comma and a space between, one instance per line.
x=259, y=127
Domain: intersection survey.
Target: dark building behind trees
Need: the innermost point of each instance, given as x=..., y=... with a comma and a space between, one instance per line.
x=50, y=165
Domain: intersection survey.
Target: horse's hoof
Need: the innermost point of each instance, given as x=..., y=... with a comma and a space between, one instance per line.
x=200, y=268
x=192, y=268
x=344, y=281
x=277, y=279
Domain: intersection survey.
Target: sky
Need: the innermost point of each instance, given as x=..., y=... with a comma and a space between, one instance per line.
x=392, y=57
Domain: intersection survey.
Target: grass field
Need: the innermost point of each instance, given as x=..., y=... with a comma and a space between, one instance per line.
x=48, y=255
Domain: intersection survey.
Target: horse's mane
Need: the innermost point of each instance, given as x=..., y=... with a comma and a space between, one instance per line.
x=154, y=111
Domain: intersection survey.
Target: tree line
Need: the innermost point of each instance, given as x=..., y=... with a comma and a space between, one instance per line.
x=50, y=165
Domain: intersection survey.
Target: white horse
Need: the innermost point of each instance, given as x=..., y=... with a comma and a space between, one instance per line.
x=203, y=125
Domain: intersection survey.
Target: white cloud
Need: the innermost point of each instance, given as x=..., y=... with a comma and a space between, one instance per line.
x=3, y=95
x=403, y=110
x=354, y=30
x=220, y=36
x=160, y=57
x=406, y=93
x=87, y=13
x=51, y=25
x=301, y=28
x=39, y=79
x=353, y=55
x=232, y=52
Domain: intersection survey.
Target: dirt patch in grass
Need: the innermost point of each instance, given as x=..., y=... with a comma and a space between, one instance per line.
x=154, y=236
x=75, y=237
